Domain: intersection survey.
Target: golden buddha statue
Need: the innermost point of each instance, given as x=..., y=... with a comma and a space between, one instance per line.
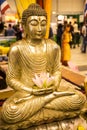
x=34, y=72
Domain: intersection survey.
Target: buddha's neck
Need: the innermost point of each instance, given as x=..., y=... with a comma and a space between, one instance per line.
x=35, y=41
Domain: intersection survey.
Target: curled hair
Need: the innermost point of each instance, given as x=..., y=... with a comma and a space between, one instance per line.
x=33, y=10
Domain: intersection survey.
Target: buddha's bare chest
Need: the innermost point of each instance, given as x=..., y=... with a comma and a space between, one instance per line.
x=35, y=58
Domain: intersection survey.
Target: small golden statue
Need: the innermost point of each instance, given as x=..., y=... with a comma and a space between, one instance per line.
x=34, y=72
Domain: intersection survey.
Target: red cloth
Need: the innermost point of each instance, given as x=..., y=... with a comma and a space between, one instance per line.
x=41, y=3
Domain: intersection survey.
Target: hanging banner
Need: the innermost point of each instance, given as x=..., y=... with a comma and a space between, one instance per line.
x=48, y=8
x=4, y=6
x=22, y=5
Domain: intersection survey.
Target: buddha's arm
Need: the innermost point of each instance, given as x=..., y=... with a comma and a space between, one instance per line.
x=57, y=67
x=14, y=71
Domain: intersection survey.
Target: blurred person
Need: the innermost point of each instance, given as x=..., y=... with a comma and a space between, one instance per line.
x=76, y=34
x=71, y=31
x=10, y=31
x=84, y=34
x=64, y=25
x=3, y=83
x=18, y=33
x=2, y=30
x=81, y=36
x=65, y=48
x=50, y=32
x=59, y=33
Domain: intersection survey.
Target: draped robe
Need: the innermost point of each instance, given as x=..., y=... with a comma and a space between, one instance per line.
x=25, y=61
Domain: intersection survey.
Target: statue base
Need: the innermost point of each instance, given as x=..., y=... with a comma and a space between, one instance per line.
x=68, y=124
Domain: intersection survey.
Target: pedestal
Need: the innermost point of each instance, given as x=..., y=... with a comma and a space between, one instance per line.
x=68, y=124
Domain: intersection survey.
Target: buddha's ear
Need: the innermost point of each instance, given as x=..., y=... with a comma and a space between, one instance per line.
x=24, y=32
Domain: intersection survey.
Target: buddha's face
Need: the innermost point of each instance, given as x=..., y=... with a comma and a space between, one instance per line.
x=36, y=26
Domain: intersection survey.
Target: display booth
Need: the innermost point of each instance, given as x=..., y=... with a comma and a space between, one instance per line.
x=5, y=43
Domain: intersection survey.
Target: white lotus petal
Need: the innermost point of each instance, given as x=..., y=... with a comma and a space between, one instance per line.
x=37, y=82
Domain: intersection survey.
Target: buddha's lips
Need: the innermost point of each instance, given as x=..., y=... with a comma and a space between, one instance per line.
x=39, y=34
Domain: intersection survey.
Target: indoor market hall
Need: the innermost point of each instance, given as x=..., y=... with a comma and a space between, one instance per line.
x=43, y=64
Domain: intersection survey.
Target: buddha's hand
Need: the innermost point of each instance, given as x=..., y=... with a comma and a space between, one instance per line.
x=43, y=81
x=27, y=90
x=42, y=91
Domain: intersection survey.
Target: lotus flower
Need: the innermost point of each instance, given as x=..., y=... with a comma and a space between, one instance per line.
x=43, y=81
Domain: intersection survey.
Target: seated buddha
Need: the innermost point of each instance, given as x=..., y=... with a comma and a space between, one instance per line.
x=34, y=72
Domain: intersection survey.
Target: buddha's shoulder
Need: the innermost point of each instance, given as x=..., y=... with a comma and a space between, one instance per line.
x=53, y=44
x=18, y=43
x=14, y=47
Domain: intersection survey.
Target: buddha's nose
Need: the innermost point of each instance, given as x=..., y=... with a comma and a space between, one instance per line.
x=39, y=27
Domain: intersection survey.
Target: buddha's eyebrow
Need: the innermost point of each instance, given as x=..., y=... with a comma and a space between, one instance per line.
x=33, y=20
x=42, y=20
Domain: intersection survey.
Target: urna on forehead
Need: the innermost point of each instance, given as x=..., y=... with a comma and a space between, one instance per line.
x=33, y=10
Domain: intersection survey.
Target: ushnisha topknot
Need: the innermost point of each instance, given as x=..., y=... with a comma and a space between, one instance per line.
x=33, y=10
